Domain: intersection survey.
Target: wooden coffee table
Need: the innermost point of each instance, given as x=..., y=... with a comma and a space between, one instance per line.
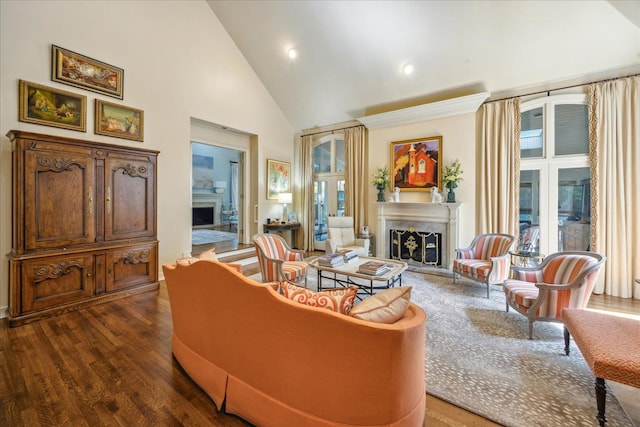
x=347, y=275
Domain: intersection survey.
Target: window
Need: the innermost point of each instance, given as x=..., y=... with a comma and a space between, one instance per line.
x=554, y=172
x=329, y=183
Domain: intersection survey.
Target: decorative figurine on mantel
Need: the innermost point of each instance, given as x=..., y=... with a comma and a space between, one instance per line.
x=436, y=197
x=451, y=176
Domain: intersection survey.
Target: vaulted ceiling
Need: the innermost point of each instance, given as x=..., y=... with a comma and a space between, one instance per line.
x=351, y=53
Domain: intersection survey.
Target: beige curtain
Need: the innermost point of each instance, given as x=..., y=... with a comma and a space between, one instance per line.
x=355, y=141
x=499, y=169
x=614, y=150
x=307, y=215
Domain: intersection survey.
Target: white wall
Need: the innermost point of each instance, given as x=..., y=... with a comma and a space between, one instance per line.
x=458, y=142
x=178, y=63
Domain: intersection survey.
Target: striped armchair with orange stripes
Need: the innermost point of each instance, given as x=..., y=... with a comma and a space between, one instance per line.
x=278, y=262
x=486, y=260
x=562, y=280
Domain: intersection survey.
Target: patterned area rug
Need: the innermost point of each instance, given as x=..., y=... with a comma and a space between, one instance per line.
x=478, y=357
x=206, y=236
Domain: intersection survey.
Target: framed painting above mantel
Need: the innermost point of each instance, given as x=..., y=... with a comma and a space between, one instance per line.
x=415, y=164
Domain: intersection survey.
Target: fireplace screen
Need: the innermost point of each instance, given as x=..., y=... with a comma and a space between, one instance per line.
x=418, y=246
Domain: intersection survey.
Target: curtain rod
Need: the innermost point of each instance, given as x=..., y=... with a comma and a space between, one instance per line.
x=331, y=131
x=562, y=88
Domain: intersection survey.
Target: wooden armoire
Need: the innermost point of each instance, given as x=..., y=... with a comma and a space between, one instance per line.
x=84, y=224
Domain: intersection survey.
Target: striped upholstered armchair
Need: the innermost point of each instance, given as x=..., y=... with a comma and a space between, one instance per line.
x=562, y=280
x=277, y=261
x=486, y=260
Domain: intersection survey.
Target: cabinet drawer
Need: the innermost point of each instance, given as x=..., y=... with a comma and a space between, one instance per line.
x=131, y=266
x=48, y=282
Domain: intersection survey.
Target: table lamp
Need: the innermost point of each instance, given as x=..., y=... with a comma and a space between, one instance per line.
x=285, y=198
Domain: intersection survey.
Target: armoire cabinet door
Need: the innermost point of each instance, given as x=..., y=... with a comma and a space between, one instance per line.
x=131, y=266
x=59, y=197
x=52, y=281
x=129, y=198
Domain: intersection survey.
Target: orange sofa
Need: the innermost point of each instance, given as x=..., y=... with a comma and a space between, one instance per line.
x=275, y=362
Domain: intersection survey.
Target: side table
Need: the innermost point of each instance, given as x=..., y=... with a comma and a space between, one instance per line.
x=372, y=242
x=290, y=227
x=526, y=259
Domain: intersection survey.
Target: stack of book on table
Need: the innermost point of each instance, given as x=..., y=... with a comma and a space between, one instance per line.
x=331, y=260
x=373, y=268
x=347, y=254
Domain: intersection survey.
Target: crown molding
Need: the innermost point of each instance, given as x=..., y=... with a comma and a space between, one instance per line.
x=421, y=113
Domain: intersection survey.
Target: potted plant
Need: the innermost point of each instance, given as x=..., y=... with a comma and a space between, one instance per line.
x=381, y=181
x=451, y=176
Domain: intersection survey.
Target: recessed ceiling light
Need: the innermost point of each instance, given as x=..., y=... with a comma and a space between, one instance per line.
x=293, y=53
x=407, y=69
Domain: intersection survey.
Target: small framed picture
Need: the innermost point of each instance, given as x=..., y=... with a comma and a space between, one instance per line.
x=278, y=175
x=293, y=217
x=119, y=121
x=49, y=106
x=81, y=71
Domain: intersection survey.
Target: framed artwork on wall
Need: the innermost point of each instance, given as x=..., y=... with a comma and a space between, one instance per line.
x=278, y=178
x=81, y=71
x=49, y=106
x=202, y=171
x=415, y=164
x=119, y=121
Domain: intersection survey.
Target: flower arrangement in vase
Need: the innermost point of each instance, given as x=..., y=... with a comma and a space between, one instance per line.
x=381, y=181
x=451, y=176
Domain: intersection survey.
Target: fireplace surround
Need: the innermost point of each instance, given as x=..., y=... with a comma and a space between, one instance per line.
x=439, y=218
x=205, y=209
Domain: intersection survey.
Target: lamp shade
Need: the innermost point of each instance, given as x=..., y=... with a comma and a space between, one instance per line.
x=285, y=197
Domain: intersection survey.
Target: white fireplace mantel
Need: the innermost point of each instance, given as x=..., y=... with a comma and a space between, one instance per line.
x=411, y=213
x=207, y=199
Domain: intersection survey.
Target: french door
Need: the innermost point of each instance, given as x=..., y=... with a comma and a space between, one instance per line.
x=556, y=199
x=555, y=177
x=328, y=185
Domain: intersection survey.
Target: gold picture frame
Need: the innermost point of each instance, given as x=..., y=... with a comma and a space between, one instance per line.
x=415, y=164
x=119, y=121
x=278, y=178
x=48, y=106
x=87, y=73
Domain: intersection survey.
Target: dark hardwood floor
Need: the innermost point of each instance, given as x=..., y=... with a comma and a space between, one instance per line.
x=111, y=365
x=107, y=365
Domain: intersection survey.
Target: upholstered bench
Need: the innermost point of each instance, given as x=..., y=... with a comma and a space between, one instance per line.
x=610, y=345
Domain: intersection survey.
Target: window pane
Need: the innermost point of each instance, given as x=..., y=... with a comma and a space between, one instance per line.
x=339, y=155
x=322, y=158
x=529, y=211
x=531, y=134
x=320, y=196
x=572, y=129
x=340, y=196
x=574, y=209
